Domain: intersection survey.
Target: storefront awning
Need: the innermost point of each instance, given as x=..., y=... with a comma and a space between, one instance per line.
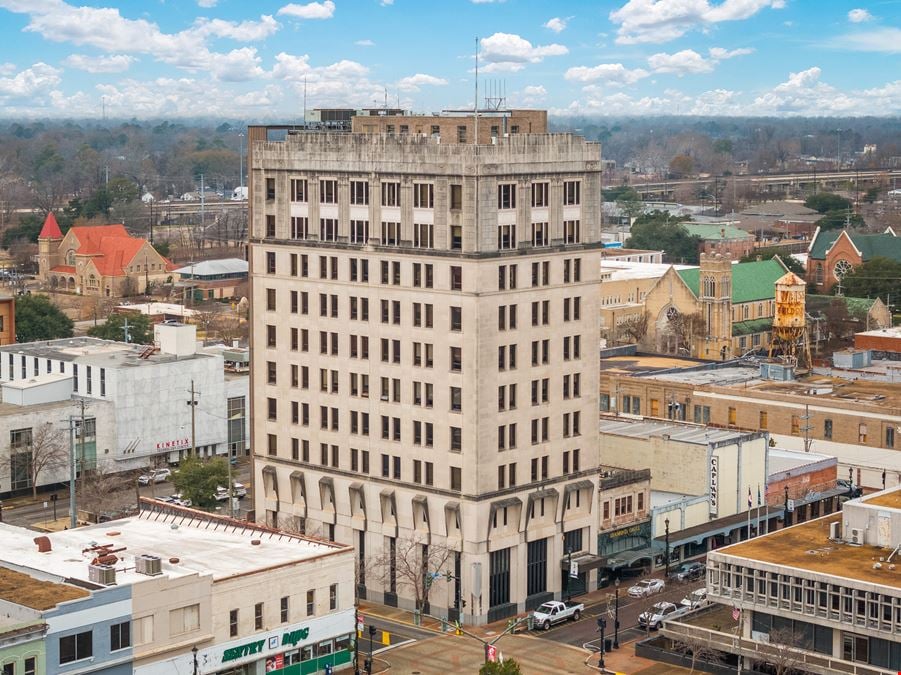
x=697, y=534
x=629, y=558
x=585, y=561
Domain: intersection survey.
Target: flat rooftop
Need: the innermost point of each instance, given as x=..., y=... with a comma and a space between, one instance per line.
x=787, y=460
x=744, y=379
x=623, y=270
x=678, y=432
x=201, y=542
x=23, y=589
x=888, y=499
x=156, y=308
x=894, y=332
x=807, y=547
x=94, y=351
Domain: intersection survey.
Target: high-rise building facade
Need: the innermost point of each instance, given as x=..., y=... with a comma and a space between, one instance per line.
x=425, y=360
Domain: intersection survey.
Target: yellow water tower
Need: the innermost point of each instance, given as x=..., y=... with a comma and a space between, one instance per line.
x=790, y=334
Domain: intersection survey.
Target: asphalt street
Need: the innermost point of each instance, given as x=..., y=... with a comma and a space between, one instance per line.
x=28, y=514
x=578, y=633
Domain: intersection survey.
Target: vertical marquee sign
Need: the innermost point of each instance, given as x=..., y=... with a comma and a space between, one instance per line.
x=714, y=484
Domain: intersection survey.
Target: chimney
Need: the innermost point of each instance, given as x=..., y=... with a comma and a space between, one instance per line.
x=43, y=544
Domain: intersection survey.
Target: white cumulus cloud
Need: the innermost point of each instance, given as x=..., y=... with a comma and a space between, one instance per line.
x=206, y=4
x=114, y=63
x=313, y=10
x=556, y=24
x=414, y=82
x=664, y=20
x=685, y=62
x=882, y=40
x=364, y=43
x=859, y=16
x=33, y=81
x=615, y=74
x=510, y=52
x=246, y=31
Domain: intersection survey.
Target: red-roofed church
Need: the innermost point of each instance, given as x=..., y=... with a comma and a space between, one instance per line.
x=98, y=260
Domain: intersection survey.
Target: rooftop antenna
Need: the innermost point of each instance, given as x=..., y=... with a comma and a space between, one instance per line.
x=386, y=99
x=475, y=103
x=305, y=102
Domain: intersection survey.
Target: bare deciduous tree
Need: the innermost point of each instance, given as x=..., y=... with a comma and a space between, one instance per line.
x=697, y=647
x=100, y=490
x=684, y=328
x=634, y=328
x=784, y=652
x=410, y=568
x=44, y=447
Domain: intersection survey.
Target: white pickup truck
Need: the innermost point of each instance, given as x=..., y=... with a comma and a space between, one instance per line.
x=553, y=612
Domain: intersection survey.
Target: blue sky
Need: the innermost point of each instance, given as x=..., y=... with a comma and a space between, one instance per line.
x=239, y=59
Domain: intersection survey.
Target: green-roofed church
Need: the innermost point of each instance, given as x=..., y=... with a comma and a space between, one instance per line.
x=715, y=311
x=834, y=253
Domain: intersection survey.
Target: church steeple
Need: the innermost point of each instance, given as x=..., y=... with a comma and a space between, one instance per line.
x=715, y=290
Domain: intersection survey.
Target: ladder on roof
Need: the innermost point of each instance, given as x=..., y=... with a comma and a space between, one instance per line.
x=146, y=354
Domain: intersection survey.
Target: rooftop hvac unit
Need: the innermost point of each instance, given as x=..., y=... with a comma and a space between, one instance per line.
x=151, y=565
x=102, y=574
x=835, y=530
x=856, y=538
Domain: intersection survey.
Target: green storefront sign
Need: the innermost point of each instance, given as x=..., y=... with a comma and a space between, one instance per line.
x=290, y=638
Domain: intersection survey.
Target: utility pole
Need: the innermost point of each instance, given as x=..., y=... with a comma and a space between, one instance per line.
x=808, y=441
x=125, y=330
x=73, y=513
x=81, y=443
x=193, y=404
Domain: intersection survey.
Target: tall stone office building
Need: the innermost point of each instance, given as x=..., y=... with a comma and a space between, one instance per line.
x=425, y=357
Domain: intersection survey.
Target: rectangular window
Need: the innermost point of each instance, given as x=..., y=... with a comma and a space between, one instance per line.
x=184, y=620
x=424, y=235
x=76, y=647
x=270, y=226
x=258, y=616
x=456, y=479
x=423, y=196
x=572, y=231
x=120, y=636
x=311, y=602
x=359, y=231
x=390, y=234
x=506, y=196
x=456, y=318
x=540, y=194
x=270, y=262
x=270, y=189
x=328, y=229
x=571, y=192
x=328, y=191
x=506, y=237
x=300, y=228
x=333, y=597
x=456, y=278
x=299, y=190
x=456, y=197
x=540, y=234
x=359, y=192
x=283, y=610
x=391, y=194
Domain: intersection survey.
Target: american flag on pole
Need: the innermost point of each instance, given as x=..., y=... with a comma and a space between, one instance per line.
x=750, y=499
x=736, y=613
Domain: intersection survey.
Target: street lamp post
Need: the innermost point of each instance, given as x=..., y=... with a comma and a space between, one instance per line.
x=602, y=626
x=616, y=617
x=194, y=654
x=666, y=541
x=368, y=662
x=569, y=566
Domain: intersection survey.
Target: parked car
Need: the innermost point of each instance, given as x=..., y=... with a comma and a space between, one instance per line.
x=695, y=599
x=852, y=491
x=657, y=614
x=646, y=587
x=221, y=494
x=155, y=476
x=690, y=571
x=554, y=612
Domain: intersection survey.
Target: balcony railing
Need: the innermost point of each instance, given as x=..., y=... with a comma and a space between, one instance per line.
x=611, y=478
x=730, y=643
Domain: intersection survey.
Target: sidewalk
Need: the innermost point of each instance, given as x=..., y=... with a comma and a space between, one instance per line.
x=527, y=648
